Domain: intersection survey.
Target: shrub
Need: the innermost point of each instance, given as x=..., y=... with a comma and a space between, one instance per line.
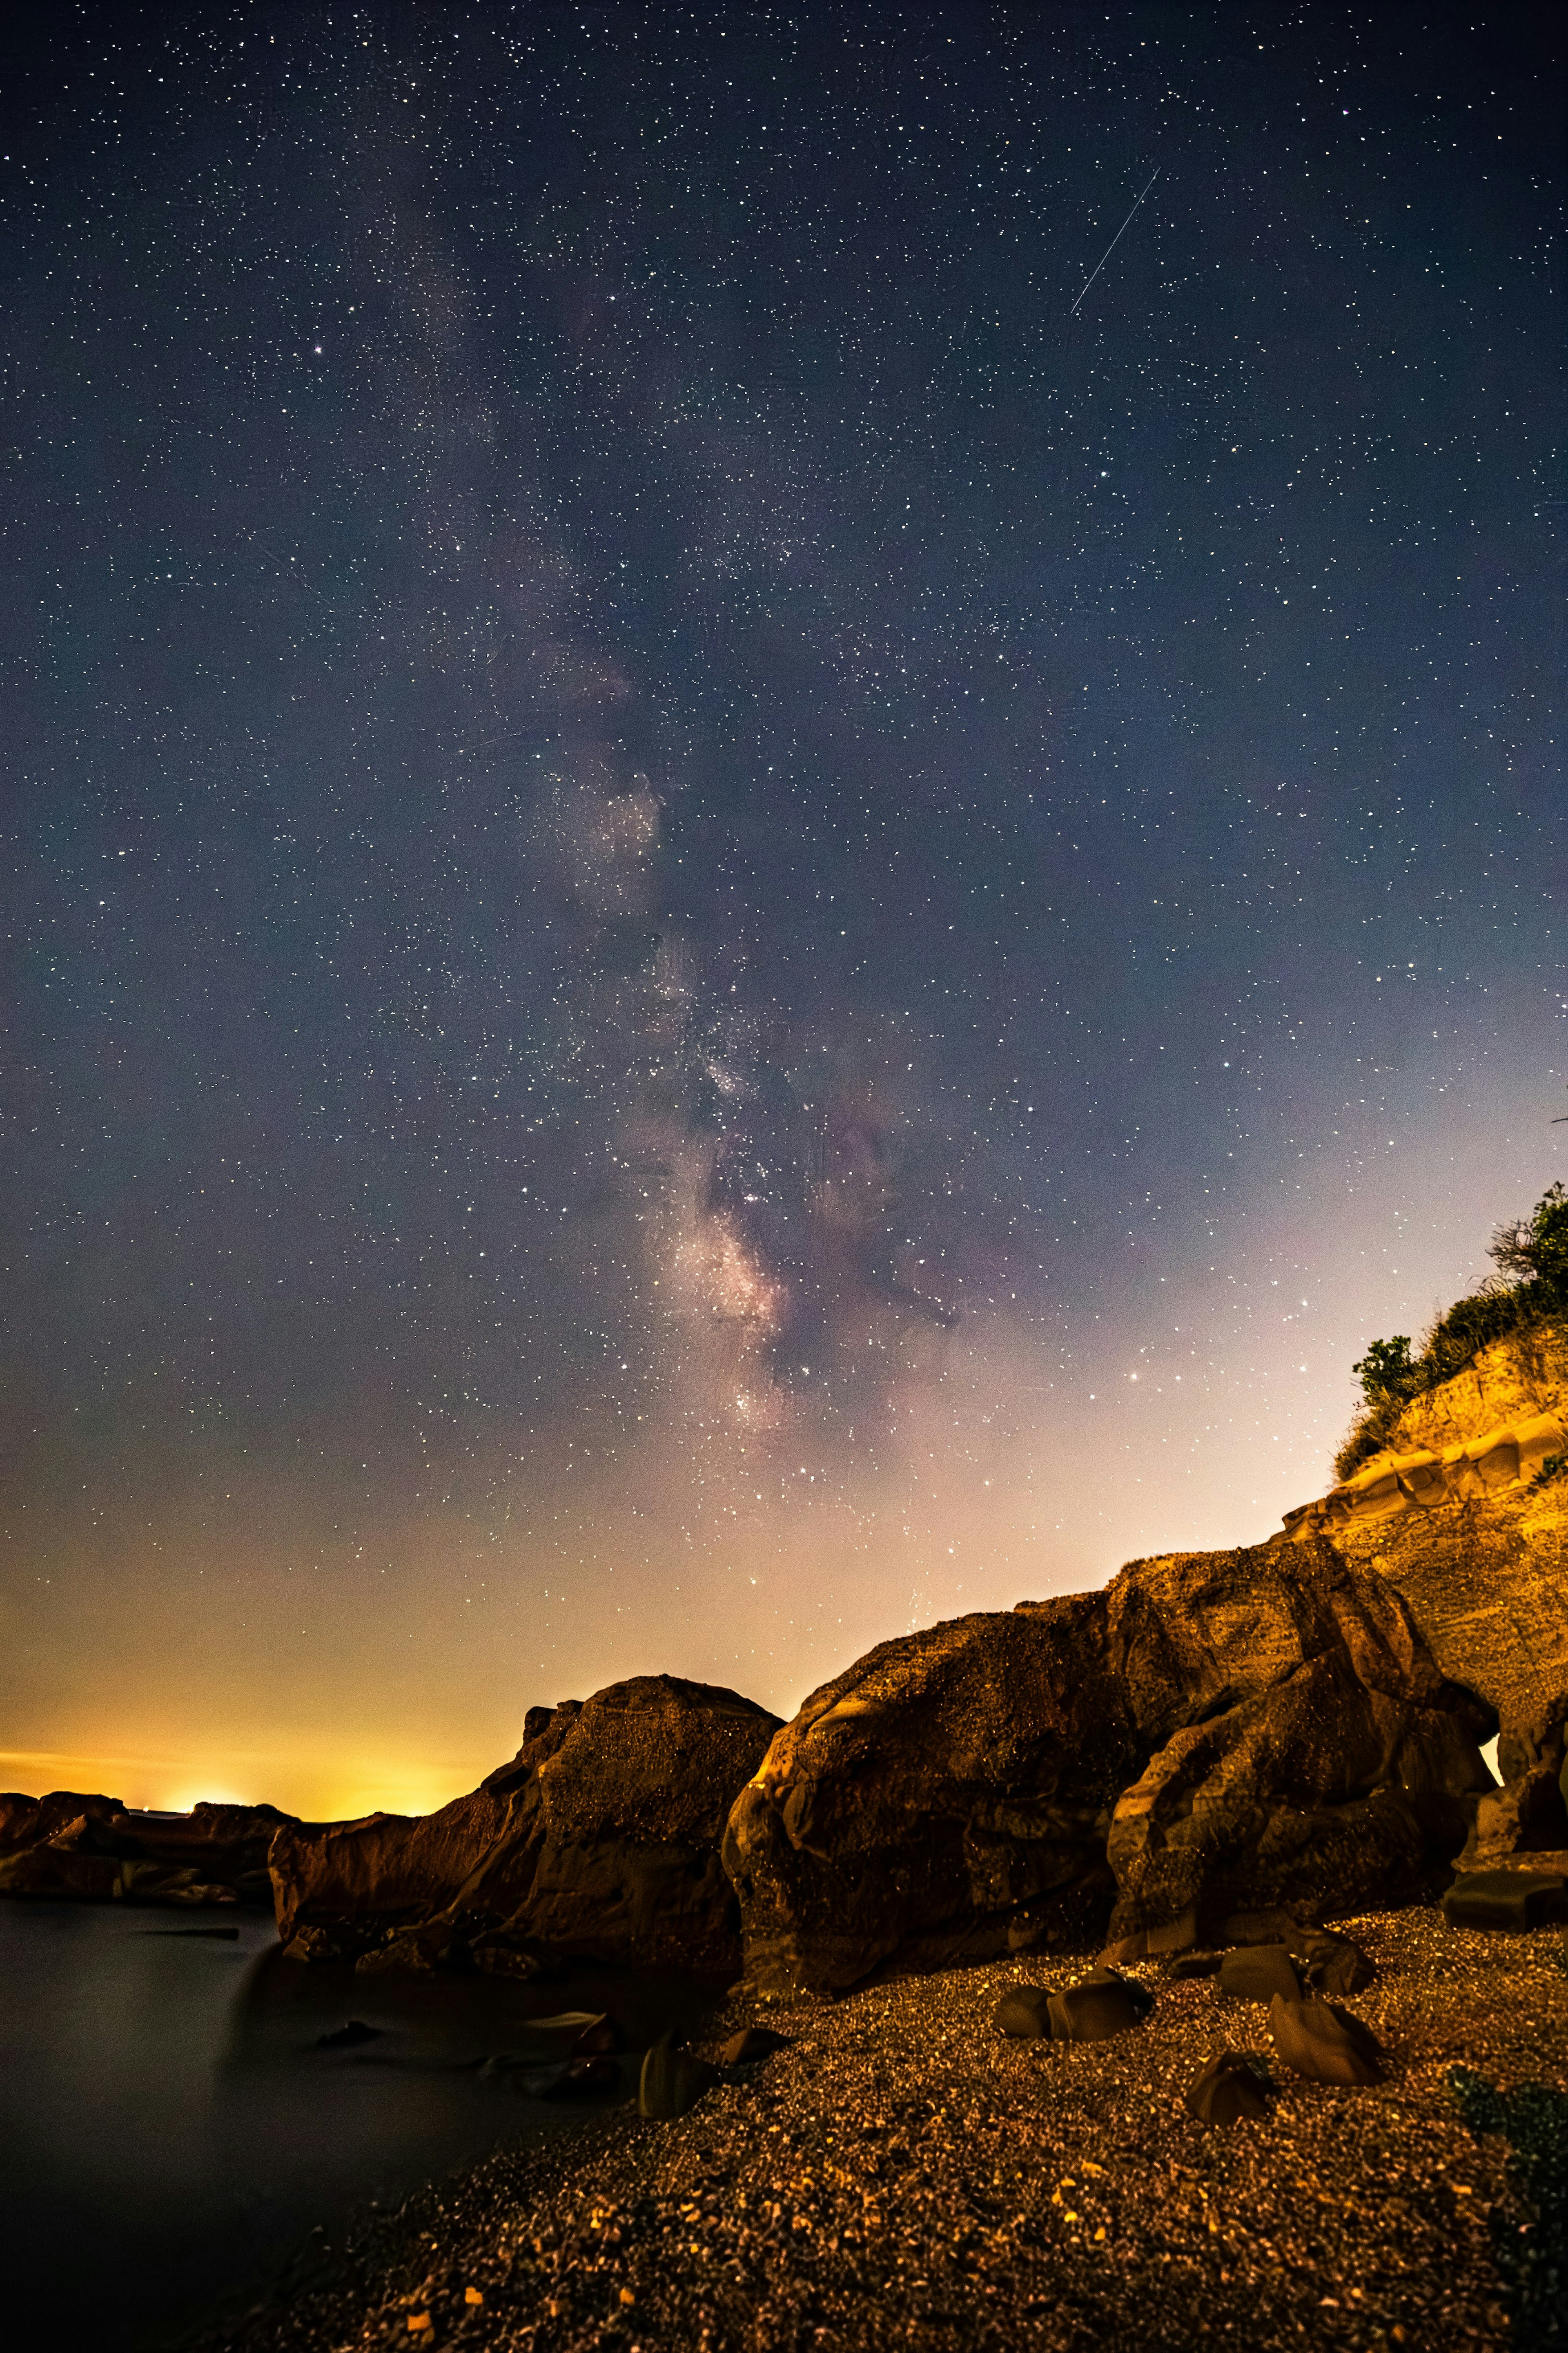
x=1534, y=1251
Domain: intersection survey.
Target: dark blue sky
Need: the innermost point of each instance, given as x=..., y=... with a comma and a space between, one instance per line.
x=721, y=929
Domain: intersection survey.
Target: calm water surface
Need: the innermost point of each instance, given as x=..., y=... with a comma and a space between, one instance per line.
x=169, y=2129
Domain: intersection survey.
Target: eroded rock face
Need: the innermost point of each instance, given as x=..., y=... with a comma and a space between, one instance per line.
x=1217, y=1741
x=600, y=1840
x=81, y=1848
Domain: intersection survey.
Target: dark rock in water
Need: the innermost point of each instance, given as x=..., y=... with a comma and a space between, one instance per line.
x=1242, y=1733
x=313, y=1944
x=599, y=1840
x=1025, y=2013
x=753, y=2042
x=220, y=1935
x=93, y=1851
x=1257, y=1972
x=598, y=2037
x=1324, y=2043
x=1103, y=2005
x=1506, y=1899
x=584, y=2078
x=500, y=1955
x=1229, y=2091
x=348, y=2036
x=1193, y=1965
x=672, y=2082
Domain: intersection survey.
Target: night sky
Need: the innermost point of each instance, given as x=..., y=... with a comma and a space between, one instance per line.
x=731, y=921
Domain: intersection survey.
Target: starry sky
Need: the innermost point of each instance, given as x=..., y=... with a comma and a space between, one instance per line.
x=780, y=812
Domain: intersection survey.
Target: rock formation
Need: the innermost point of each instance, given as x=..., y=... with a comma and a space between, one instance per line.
x=1466, y=1514
x=600, y=1840
x=1215, y=1744
x=82, y=1849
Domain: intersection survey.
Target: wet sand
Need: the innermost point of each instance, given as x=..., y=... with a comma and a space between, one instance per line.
x=901, y=2175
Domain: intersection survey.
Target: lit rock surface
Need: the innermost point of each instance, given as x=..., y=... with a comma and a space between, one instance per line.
x=1215, y=1743
x=599, y=1840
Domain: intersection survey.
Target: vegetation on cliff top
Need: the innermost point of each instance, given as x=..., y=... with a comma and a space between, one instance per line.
x=1529, y=1287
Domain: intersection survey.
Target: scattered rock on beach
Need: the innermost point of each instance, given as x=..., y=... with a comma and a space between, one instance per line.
x=1102, y=2005
x=1229, y=2091
x=1506, y=1899
x=1257, y=1972
x=1323, y=2043
x=1024, y=2012
x=672, y=2080
x=753, y=2042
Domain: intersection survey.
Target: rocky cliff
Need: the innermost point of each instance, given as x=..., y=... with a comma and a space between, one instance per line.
x=92, y=1849
x=1464, y=1514
x=598, y=1840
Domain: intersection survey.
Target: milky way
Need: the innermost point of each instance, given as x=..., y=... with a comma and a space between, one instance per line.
x=769, y=867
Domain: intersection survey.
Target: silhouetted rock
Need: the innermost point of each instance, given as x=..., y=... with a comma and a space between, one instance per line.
x=1324, y=2043
x=1506, y=1899
x=93, y=1849
x=349, y=2036
x=1257, y=1972
x=598, y=2038
x=583, y=2079
x=1025, y=2013
x=753, y=2042
x=1244, y=1738
x=1229, y=2091
x=672, y=2080
x=599, y=1840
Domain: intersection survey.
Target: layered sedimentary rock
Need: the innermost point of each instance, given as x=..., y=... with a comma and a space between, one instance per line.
x=1215, y=1740
x=1483, y=1558
x=599, y=1840
x=92, y=1849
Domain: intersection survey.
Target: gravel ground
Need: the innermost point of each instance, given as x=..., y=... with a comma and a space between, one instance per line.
x=901, y=2175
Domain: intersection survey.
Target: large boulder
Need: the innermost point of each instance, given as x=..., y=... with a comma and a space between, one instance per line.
x=1216, y=1744
x=599, y=1840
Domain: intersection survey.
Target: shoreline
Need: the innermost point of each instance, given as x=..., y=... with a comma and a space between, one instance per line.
x=902, y=2175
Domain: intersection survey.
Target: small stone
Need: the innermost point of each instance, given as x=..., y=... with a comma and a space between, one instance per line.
x=1229, y=2091
x=1323, y=2043
x=672, y=2080
x=582, y=2079
x=1193, y=1965
x=599, y=2036
x=753, y=2042
x=1506, y=1899
x=1332, y=1964
x=1258, y=1972
x=1025, y=2013
x=1104, y=2004
x=345, y=2037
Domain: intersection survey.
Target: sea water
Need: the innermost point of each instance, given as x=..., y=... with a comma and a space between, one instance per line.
x=170, y=2128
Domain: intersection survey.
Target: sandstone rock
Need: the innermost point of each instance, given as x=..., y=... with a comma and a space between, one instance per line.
x=752, y=2044
x=1104, y=2004
x=1330, y=1964
x=1506, y=1899
x=1025, y=2013
x=598, y=1840
x=1229, y=2091
x=1242, y=1735
x=672, y=2080
x=1186, y=1966
x=1323, y=2042
x=1257, y=1972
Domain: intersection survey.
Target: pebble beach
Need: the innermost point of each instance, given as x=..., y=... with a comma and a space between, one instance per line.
x=901, y=2175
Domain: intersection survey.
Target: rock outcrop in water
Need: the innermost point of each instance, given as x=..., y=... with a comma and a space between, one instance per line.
x=600, y=1840
x=92, y=1849
x=1215, y=1743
